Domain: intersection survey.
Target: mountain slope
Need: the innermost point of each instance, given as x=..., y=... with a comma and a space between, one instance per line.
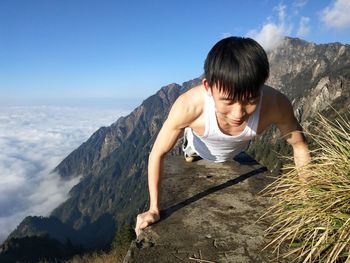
x=113, y=188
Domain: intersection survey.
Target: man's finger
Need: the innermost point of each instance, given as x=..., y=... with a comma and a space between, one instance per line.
x=143, y=225
x=139, y=228
x=137, y=231
x=138, y=222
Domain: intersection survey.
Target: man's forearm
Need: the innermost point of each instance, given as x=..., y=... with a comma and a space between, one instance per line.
x=301, y=154
x=155, y=169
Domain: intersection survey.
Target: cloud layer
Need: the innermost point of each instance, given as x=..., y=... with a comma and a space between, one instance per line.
x=33, y=140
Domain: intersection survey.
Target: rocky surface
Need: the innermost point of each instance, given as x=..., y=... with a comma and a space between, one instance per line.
x=208, y=211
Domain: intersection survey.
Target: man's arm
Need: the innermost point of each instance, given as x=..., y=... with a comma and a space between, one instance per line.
x=180, y=116
x=291, y=130
x=165, y=141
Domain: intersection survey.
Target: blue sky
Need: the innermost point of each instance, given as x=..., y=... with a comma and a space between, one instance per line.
x=69, y=49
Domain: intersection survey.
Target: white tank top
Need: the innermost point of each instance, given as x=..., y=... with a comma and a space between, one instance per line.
x=216, y=146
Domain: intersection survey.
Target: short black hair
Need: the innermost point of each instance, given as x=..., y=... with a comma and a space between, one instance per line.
x=238, y=67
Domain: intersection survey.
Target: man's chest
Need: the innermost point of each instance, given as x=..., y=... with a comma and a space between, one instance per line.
x=199, y=126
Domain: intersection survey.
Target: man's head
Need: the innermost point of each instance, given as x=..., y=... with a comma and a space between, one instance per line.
x=237, y=67
x=235, y=70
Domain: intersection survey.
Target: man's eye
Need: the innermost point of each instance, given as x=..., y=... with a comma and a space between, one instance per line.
x=252, y=101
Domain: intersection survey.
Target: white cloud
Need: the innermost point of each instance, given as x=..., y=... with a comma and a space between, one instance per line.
x=337, y=15
x=304, y=27
x=271, y=34
x=298, y=5
x=33, y=140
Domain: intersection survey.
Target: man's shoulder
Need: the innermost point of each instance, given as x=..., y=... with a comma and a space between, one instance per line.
x=193, y=99
x=274, y=98
x=188, y=107
x=271, y=92
x=276, y=103
x=195, y=95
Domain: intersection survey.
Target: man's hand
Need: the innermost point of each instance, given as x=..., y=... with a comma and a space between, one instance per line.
x=145, y=219
x=303, y=176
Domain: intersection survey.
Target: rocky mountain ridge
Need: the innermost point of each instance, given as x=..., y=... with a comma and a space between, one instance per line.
x=312, y=76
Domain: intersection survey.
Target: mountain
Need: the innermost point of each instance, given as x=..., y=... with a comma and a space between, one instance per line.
x=113, y=161
x=113, y=188
x=311, y=75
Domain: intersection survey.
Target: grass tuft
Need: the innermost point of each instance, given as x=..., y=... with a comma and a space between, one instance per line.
x=313, y=217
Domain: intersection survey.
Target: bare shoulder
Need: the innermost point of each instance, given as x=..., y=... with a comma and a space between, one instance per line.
x=187, y=107
x=274, y=96
x=277, y=105
x=280, y=111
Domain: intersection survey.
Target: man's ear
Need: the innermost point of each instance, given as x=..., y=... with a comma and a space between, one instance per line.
x=206, y=86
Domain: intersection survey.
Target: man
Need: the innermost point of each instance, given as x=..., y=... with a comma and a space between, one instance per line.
x=223, y=114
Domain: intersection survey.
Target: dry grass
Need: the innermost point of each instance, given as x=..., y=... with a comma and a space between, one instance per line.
x=314, y=217
x=114, y=256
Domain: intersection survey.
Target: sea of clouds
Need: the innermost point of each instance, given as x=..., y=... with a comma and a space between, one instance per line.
x=33, y=141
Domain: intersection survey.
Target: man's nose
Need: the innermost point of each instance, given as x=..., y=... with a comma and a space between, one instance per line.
x=237, y=112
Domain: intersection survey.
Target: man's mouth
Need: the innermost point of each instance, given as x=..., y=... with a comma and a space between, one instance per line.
x=235, y=121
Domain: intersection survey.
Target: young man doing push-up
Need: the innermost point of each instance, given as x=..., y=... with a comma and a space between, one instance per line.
x=220, y=116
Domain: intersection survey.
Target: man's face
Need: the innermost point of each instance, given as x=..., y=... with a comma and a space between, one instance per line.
x=233, y=112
